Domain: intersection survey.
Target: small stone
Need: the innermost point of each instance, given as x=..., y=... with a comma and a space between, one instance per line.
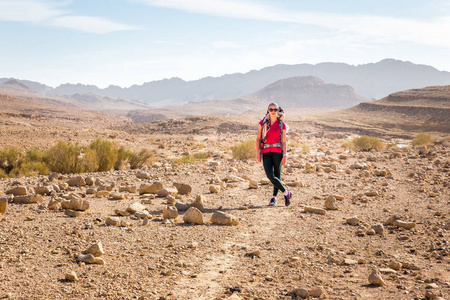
x=378, y=228
x=404, y=225
x=317, y=292
x=376, y=279
x=96, y=249
x=350, y=262
x=193, y=215
x=330, y=203
x=135, y=206
x=73, y=213
x=339, y=197
x=72, y=276
x=142, y=175
x=214, y=189
x=197, y=205
x=79, y=204
x=315, y=210
x=103, y=193
x=170, y=212
x=253, y=184
x=128, y=188
x=166, y=192
x=253, y=254
x=221, y=218
x=43, y=190
x=395, y=265
x=182, y=188
x=150, y=188
x=182, y=206
x=28, y=199
x=18, y=191
x=89, y=181
x=113, y=221
x=119, y=196
x=200, y=199
x=354, y=221
x=122, y=213
x=372, y=193
x=371, y=232
x=76, y=181
x=302, y=293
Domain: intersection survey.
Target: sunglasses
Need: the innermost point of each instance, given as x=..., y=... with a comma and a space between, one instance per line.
x=273, y=109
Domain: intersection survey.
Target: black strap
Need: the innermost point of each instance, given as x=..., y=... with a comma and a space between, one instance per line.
x=281, y=135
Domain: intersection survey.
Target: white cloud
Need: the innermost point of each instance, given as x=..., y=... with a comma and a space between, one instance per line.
x=51, y=13
x=226, y=44
x=386, y=29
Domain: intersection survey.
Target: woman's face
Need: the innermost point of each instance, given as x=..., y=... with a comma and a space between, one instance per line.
x=273, y=109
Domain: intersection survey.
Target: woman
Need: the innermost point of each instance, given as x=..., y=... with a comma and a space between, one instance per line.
x=271, y=145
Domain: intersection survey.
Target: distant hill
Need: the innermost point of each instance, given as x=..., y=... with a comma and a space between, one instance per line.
x=14, y=85
x=416, y=110
x=295, y=92
x=373, y=80
x=309, y=91
x=35, y=86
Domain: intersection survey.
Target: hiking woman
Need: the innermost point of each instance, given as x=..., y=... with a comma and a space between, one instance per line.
x=271, y=149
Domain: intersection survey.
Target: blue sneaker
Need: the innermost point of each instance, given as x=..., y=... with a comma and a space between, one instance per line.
x=273, y=201
x=287, y=199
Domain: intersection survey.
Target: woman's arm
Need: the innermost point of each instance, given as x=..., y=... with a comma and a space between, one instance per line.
x=258, y=142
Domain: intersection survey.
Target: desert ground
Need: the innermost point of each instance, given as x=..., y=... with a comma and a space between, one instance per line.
x=362, y=225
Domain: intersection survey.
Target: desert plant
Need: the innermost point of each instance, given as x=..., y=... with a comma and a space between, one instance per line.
x=190, y=159
x=143, y=157
x=64, y=157
x=244, y=150
x=10, y=158
x=366, y=143
x=123, y=156
x=30, y=168
x=90, y=160
x=306, y=149
x=106, y=152
x=421, y=139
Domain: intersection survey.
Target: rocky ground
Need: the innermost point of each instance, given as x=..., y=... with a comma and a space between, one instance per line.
x=362, y=225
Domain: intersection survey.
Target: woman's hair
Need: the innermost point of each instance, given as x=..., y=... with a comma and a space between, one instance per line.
x=273, y=103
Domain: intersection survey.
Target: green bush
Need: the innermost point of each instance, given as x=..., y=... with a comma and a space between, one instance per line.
x=141, y=158
x=30, y=168
x=421, y=139
x=244, y=150
x=190, y=159
x=123, y=155
x=106, y=152
x=367, y=143
x=64, y=158
x=10, y=159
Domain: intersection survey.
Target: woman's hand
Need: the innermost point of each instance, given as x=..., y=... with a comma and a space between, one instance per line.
x=258, y=157
x=283, y=160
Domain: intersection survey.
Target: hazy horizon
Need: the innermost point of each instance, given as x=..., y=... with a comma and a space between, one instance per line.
x=128, y=43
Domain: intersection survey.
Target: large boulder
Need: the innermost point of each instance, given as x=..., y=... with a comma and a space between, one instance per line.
x=28, y=199
x=18, y=191
x=79, y=204
x=76, y=181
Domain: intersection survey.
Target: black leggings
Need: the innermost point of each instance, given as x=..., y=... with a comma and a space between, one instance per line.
x=272, y=166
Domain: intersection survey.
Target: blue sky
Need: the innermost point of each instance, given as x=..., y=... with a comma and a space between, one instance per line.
x=126, y=42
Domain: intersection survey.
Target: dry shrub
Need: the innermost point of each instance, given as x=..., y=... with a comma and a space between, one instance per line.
x=422, y=139
x=106, y=152
x=190, y=159
x=123, y=156
x=366, y=143
x=244, y=150
x=141, y=158
x=64, y=158
x=305, y=149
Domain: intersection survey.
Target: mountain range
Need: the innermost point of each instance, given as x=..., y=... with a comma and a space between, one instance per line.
x=373, y=80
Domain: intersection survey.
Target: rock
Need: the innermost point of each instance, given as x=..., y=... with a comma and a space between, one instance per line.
x=43, y=190
x=372, y=193
x=182, y=206
x=142, y=175
x=79, y=204
x=391, y=220
x=76, y=181
x=166, y=192
x=90, y=259
x=65, y=204
x=253, y=184
x=128, y=188
x=376, y=279
x=338, y=197
x=3, y=204
x=221, y=218
x=170, y=212
x=232, y=178
x=264, y=181
x=254, y=254
x=214, y=189
x=354, y=221
x=72, y=276
x=378, y=228
x=103, y=193
x=18, y=191
x=200, y=199
x=315, y=210
x=96, y=249
x=395, y=265
x=330, y=203
x=404, y=225
x=302, y=293
x=197, y=205
x=28, y=199
x=119, y=196
x=182, y=188
x=136, y=206
x=193, y=215
x=91, y=191
x=122, y=213
x=317, y=292
x=73, y=213
x=349, y=262
x=90, y=180
x=143, y=214
x=371, y=232
x=113, y=221
x=387, y=271
x=150, y=188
